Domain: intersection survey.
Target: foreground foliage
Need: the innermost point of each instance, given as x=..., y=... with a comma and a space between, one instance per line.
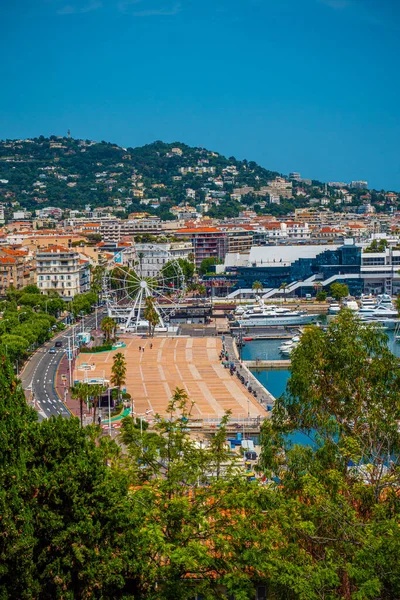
x=168, y=518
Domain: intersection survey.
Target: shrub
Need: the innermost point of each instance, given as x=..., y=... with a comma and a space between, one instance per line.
x=93, y=349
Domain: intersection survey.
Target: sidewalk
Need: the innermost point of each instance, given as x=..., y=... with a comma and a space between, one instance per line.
x=62, y=387
x=264, y=397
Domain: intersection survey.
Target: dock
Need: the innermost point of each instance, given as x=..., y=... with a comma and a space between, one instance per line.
x=267, y=364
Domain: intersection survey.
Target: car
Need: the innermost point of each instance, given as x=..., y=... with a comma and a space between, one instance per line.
x=58, y=344
x=52, y=351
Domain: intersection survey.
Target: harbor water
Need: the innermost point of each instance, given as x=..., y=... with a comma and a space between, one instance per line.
x=274, y=380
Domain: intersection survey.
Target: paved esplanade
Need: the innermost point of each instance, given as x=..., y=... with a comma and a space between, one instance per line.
x=189, y=363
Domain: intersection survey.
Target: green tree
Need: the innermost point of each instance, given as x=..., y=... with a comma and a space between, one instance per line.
x=343, y=394
x=31, y=289
x=339, y=290
x=206, y=263
x=83, y=303
x=187, y=505
x=171, y=272
x=97, y=275
x=151, y=315
x=257, y=287
x=95, y=392
x=118, y=372
x=321, y=296
x=108, y=327
x=283, y=287
x=80, y=391
x=16, y=346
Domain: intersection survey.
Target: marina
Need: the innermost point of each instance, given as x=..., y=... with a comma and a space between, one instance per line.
x=265, y=361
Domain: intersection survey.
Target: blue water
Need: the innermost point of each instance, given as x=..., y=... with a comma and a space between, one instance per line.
x=269, y=349
x=275, y=380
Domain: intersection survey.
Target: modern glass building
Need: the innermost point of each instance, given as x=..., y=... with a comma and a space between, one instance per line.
x=304, y=269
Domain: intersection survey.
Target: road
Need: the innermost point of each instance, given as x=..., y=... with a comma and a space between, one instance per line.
x=40, y=373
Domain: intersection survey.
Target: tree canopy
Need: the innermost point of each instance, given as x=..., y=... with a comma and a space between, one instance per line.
x=163, y=516
x=339, y=290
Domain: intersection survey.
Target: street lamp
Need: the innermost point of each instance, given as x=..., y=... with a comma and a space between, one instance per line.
x=69, y=358
x=140, y=417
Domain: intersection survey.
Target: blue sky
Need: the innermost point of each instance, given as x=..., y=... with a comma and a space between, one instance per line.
x=297, y=85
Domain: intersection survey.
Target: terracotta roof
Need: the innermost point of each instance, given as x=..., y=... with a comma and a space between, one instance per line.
x=200, y=230
x=12, y=252
x=7, y=260
x=54, y=249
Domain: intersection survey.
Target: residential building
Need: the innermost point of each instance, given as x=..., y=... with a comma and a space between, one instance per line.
x=278, y=187
x=275, y=232
x=152, y=257
x=359, y=184
x=113, y=230
x=11, y=273
x=63, y=271
x=294, y=175
x=207, y=242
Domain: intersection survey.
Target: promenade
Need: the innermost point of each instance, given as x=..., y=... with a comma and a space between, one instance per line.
x=188, y=363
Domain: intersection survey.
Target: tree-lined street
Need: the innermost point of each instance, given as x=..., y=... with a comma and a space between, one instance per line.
x=39, y=374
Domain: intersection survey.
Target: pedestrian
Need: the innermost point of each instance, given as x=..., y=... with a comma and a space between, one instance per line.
x=140, y=348
x=143, y=349
x=151, y=346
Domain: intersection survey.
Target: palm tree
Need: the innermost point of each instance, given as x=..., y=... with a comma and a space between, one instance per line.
x=96, y=391
x=108, y=327
x=283, y=287
x=118, y=372
x=257, y=286
x=151, y=315
x=80, y=391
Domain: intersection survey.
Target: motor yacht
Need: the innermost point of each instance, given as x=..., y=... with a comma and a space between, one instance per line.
x=288, y=351
x=263, y=316
x=289, y=343
x=334, y=308
x=384, y=312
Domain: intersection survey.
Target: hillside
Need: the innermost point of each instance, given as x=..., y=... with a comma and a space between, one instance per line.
x=71, y=174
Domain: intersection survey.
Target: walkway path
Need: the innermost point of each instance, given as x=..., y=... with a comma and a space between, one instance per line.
x=189, y=363
x=265, y=397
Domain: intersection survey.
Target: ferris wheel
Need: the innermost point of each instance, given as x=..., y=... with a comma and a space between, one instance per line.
x=127, y=287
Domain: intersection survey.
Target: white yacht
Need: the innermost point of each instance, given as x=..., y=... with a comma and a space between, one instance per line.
x=288, y=351
x=265, y=316
x=289, y=343
x=334, y=308
x=383, y=312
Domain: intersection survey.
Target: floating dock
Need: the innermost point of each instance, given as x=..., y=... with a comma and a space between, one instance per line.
x=267, y=364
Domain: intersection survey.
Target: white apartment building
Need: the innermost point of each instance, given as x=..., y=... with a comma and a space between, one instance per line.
x=61, y=270
x=278, y=187
x=152, y=257
x=281, y=231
